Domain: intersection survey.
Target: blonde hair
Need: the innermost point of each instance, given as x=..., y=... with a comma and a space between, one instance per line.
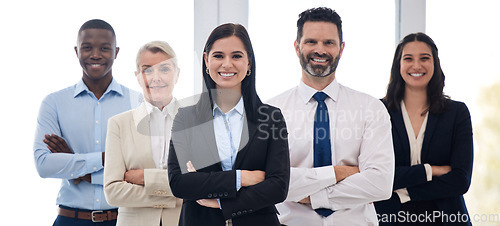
x=155, y=47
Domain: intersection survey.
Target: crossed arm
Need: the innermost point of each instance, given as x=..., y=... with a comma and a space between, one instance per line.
x=56, y=144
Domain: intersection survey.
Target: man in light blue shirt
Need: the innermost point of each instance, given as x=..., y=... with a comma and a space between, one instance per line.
x=71, y=129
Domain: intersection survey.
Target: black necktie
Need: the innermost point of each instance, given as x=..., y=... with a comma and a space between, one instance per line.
x=322, y=145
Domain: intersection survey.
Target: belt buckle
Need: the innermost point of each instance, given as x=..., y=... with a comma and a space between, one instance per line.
x=93, y=216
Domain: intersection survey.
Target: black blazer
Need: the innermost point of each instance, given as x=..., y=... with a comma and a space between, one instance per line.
x=447, y=141
x=264, y=146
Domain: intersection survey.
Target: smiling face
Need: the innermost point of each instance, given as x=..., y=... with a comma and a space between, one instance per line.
x=96, y=50
x=319, y=49
x=157, y=77
x=227, y=63
x=417, y=65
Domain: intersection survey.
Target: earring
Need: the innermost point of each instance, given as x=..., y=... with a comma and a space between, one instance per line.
x=249, y=72
x=206, y=70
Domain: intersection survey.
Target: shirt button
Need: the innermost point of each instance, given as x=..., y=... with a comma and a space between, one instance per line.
x=95, y=168
x=209, y=195
x=97, y=141
x=97, y=200
x=71, y=174
x=96, y=122
x=239, y=212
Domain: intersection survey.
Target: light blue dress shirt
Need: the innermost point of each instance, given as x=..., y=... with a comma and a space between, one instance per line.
x=76, y=115
x=228, y=128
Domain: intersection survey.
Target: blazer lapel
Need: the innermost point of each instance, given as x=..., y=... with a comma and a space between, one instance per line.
x=429, y=130
x=248, y=132
x=141, y=132
x=399, y=127
x=208, y=133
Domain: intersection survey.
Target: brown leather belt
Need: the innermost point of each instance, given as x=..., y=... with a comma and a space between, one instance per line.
x=94, y=216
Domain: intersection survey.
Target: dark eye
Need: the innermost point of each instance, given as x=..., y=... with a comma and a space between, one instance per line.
x=85, y=48
x=218, y=56
x=164, y=69
x=407, y=59
x=106, y=49
x=237, y=56
x=147, y=71
x=425, y=58
x=310, y=42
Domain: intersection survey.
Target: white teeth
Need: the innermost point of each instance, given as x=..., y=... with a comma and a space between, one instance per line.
x=157, y=87
x=416, y=74
x=95, y=65
x=318, y=60
x=227, y=74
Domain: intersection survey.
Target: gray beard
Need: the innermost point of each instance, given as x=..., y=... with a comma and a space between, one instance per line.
x=319, y=71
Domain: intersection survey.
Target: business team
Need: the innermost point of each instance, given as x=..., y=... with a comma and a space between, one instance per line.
x=234, y=160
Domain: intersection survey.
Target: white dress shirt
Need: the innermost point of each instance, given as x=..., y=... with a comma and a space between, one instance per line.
x=160, y=125
x=360, y=136
x=415, y=149
x=228, y=128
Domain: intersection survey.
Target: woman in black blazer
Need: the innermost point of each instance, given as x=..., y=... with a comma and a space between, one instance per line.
x=222, y=179
x=432, y=138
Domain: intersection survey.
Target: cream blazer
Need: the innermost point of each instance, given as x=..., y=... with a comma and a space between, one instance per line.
x=128, y=146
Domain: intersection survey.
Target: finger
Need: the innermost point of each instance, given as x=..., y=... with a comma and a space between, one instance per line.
x=190, y=167
x=59, y=142
x=62, y=142
x=51, y=149
x=52, y=146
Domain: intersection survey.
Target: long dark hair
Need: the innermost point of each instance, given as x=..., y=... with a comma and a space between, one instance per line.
x=250, y=98
x=396, y=88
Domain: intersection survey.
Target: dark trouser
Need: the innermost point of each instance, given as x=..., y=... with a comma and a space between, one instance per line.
x=66, y=221
x=422, y=208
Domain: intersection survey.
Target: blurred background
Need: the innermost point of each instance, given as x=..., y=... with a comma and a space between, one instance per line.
x=37, y=57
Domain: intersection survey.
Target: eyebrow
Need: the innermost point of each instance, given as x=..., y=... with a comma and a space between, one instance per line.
x=220, y=52
x=160, y=64
x=424, y=54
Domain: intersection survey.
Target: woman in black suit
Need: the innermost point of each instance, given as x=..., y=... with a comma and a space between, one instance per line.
x=229, y=156
x=432, y=137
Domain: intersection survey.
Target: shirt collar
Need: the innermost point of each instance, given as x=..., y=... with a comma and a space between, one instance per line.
x=113, y=87
x=306, y=92
x=167, y=110
x=239, y=108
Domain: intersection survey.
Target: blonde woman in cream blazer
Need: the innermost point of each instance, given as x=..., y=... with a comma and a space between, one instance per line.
x=135, y=173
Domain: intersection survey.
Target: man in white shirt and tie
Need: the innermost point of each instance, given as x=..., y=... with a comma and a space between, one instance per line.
x=341, y=152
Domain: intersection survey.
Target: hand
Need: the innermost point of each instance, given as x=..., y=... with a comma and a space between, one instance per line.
x=306, y=200
x=440, y=170
x=249, y=177
x=135, y=176
x=190, y=167
x=210, y=203
x=342, y=172
x=87, y=177
x=56, y=144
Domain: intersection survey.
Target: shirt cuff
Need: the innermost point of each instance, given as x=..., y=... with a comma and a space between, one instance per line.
x=320, y=199
x=93, y=162
x=403, y=194
x=238, y=181
x=428, y=171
